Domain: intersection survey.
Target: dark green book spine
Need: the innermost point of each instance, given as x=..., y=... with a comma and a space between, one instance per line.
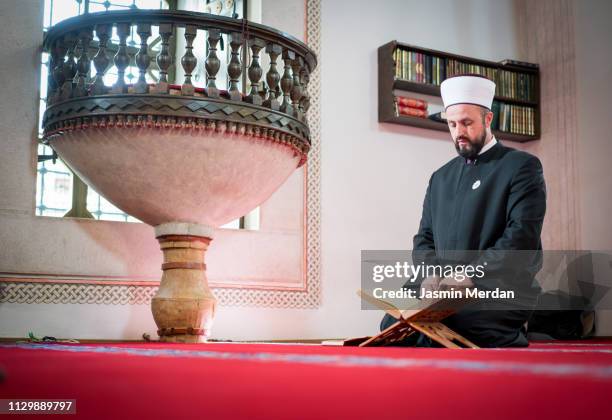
x=495, y=110
x=443, y=64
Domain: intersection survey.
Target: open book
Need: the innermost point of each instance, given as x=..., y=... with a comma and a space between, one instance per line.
x=426, y=319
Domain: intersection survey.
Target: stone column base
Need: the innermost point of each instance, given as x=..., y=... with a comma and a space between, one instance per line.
x=184, y=306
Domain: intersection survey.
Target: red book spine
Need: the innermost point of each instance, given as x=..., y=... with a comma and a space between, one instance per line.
x=413, y=112
x=411, y=102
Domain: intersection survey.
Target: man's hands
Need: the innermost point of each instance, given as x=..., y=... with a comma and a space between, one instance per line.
x=431, y=283
x=447, y=283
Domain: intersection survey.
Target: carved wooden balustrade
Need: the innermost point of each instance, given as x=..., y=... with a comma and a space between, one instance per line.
x=274, y=108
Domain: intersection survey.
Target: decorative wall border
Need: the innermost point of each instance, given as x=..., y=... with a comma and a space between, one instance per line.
x=76, y=293
x=138, y=293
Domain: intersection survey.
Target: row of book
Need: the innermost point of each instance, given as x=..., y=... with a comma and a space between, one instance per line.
x=513, y=118
x=456, y=67
x=506, y=117
x=424, y=68
x=418, y=67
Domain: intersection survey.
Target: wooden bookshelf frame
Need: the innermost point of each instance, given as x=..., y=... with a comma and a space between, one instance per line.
x=387, y=82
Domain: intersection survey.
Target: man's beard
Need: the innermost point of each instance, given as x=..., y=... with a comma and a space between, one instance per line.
x=471, y=150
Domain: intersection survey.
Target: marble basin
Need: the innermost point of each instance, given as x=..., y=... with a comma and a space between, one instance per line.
x=187, y=175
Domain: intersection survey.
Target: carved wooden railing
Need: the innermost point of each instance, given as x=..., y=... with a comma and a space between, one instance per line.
x=276, y=107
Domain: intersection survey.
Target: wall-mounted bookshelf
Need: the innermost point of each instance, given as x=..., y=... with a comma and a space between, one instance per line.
x=411, y=69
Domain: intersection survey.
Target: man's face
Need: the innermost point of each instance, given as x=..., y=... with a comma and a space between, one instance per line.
x=467, y=124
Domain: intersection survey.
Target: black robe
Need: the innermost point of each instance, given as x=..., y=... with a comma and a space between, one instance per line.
x=497, y=203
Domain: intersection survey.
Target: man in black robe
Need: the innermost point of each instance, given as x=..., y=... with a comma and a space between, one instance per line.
x=491, y=199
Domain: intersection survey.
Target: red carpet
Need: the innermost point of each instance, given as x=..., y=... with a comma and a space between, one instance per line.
x=547, y=380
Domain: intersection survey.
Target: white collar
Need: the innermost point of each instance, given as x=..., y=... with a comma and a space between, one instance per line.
x=487, y=146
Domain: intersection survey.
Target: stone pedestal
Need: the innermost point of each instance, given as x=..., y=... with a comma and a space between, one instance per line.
x=184, y=306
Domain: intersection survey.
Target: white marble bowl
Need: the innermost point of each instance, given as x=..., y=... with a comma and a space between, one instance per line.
x=191, y=175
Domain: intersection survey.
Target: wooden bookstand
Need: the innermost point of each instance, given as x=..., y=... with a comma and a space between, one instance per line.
x=425, y=320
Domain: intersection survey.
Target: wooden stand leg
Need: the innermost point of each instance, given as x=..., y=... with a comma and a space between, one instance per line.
x=389, y=336
x=442, y=334
x=184, y=306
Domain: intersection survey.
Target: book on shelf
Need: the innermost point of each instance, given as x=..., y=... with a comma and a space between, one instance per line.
x=411, y=102
x=495, y=110
x=411, y=107
x=514, y=119
x=439, y=117
x=513, y=85
x=516, y=63
x=409, y=111
x=418, y=67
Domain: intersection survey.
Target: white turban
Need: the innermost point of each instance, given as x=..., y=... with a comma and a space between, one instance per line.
x=476, y=90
